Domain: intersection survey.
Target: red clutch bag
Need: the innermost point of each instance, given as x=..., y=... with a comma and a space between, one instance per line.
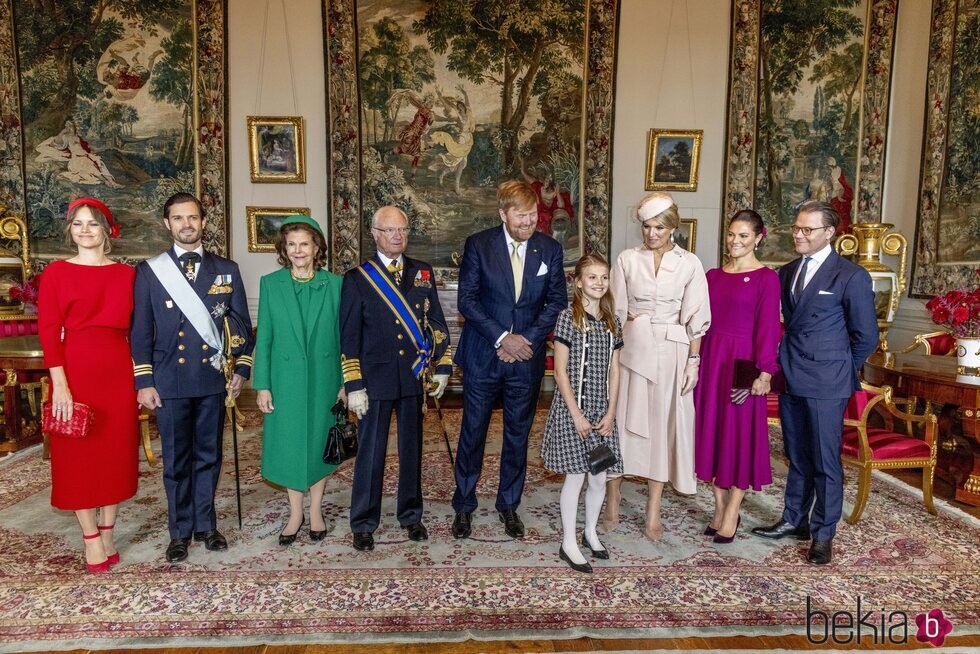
x=82, y=418
x=745, y=373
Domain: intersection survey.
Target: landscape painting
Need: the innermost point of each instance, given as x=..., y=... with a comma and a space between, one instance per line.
x=107, y=99
x=451, y=97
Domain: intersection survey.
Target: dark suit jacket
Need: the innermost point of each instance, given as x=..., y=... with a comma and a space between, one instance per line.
x=376, y=353
x=486, y=298
x=162, y=338
x=829, y=331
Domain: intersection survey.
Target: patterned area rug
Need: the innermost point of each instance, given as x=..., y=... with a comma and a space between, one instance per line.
x=899, y=558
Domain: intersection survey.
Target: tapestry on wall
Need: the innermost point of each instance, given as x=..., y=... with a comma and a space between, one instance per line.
x=431, y=103
x=809, y=85
x=98, y=98
x=947, y=243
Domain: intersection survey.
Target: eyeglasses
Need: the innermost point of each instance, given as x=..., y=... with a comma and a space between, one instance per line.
x=796, y=229
x=391, y=231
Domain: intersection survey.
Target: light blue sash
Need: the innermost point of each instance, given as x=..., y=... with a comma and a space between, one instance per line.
x=398, y=305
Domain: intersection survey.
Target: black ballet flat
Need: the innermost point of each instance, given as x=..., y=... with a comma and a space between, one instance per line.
x=288, y=539
x=577, y=567
x=599, y=554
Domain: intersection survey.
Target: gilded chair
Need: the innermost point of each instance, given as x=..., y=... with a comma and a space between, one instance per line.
x=872, y=448
x=941, y=343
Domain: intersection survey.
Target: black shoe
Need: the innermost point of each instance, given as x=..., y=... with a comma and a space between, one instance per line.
x=177, y=550
x=317, y=536
x=417, y=532
x=725, y=540
x=512, y=523
x=213, y=540
x=577, y=567
x=821, y=552
x=709, y=531
x=462, y=525
x=288, y=539
x=599, y=554
x=363, y=541
x=782, y=529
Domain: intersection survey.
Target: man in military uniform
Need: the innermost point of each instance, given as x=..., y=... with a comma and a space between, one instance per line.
x=181, y=298
x=383, y=306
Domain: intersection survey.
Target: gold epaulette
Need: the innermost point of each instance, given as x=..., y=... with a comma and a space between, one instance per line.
x=244, y=360
x=447, y=358
x=351, y=369
x=142, y=369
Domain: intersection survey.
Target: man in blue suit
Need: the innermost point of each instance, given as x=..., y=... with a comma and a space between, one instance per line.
x=511, y=290
x=180, y=300
x=830, y=329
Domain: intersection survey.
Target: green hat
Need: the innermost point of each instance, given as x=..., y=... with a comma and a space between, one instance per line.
x=306, y=220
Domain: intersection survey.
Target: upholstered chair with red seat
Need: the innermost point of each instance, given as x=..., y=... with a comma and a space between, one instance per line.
x=870, y=448
x=939, y=343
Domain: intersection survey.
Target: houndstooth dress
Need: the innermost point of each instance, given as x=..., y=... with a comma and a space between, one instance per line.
x=589, y=361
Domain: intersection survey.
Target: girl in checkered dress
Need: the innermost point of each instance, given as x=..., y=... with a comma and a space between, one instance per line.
x=588, y=338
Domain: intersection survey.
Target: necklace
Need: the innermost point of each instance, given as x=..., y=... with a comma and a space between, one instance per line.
x=301, y=280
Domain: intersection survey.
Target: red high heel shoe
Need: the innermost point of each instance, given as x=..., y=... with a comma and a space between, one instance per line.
x=96, y=567
x=114, y=557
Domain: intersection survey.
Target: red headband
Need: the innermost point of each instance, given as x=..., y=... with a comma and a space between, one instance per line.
x=104, y=210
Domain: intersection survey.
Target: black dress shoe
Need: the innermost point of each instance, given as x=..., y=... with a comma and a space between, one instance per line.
x=462, y=525
x=213, y=540
x=577, y=567
x=599, y=554
x=288, y=539
x=782, y=529
x=363, y=541
x=512, y=523
x=725, y=540
x=177, y=550
x=417, y=532
x=821, y=552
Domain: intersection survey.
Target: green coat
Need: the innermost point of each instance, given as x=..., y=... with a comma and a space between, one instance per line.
x=302, y=369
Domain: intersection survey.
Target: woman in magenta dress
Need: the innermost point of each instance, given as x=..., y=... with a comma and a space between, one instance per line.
x=90, y=298
x=731, y=442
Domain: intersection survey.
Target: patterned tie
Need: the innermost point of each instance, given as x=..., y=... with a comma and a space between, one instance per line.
x=800, y=280
x=395, y=268
x=187, y=261
x=518, y=268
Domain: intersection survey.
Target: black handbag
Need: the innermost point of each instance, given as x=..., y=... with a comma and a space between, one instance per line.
x=341, y=439
x=600, y=459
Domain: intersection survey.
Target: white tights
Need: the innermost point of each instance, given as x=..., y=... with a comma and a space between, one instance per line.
x=594, y=496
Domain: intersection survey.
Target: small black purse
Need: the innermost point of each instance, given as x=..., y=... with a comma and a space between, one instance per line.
x=600, y=459
x=341, y=439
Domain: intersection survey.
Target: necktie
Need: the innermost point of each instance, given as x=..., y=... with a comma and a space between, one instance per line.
x=187, y=261
x=800, y=280
x=395, y=268
x=517, y=266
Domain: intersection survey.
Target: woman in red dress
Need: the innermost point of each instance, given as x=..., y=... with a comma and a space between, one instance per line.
x=84, y=312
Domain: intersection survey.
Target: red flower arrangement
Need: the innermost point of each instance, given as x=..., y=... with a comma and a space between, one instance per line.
x=959, y=311
x=27, y=292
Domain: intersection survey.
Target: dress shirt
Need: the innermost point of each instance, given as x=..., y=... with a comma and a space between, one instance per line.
x=816, y=259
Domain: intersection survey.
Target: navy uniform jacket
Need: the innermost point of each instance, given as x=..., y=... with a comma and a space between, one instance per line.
x=829, y=331
x=168, y=353
x=376, y=352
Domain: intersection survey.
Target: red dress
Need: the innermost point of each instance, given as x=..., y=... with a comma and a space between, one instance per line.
x=93, y=305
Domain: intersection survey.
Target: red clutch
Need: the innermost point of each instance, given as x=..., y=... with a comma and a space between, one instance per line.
x=82, y=418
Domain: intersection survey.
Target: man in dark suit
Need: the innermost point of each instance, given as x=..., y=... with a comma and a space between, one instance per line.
x=383, y=303
x=180, y=300
x=830, y=329
x=511, y=290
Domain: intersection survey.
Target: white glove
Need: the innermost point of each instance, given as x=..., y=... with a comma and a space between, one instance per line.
x=441, y=382
x=690, y=376
x=358, y=403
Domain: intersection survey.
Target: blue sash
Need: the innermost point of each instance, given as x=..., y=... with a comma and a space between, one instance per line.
x=396, y=302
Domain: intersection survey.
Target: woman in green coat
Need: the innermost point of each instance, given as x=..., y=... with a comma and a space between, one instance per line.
x=297, y=370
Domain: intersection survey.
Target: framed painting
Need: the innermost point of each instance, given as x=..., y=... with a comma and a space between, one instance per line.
x=264, y=224
x=807, y=116
x=672, y=159
x=276, y=149
x=947, y=238
x=686, y=236
x=477, y=93
x=114, y=99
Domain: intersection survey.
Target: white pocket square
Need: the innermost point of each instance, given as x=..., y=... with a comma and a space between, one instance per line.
x=543, y=270
x=824, y=293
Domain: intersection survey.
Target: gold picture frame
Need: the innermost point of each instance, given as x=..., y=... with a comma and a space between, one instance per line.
x=686, y=236
x=264, y=223
x=276, y=149
x=672, y=159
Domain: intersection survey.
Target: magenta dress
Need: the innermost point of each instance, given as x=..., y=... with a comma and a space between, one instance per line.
x=731, y=442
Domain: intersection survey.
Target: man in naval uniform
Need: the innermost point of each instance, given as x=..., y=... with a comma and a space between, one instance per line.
x=383, y=305
x=181, y=298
